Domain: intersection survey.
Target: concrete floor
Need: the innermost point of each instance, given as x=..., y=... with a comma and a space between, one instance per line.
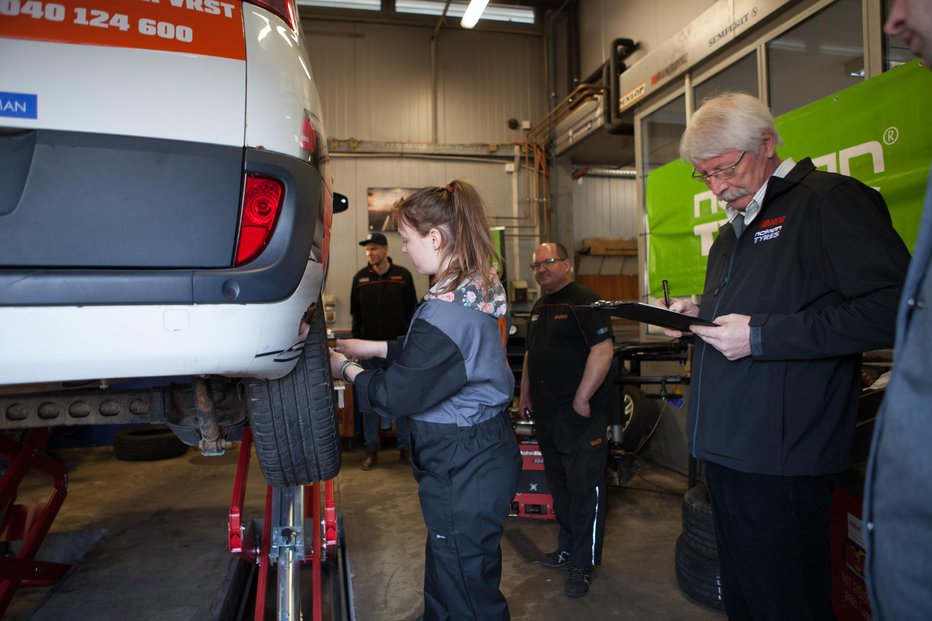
x=153, y=540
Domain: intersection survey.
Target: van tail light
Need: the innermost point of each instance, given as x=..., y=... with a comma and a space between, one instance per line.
x=283, y=8
x=313, y=141
x=262, y=202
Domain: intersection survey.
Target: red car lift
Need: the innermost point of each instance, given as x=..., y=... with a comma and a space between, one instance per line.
x=286, y=511
x=533, y=498
x=28, y=523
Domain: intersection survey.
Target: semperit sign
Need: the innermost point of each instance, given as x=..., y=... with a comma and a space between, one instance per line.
x=712, y=30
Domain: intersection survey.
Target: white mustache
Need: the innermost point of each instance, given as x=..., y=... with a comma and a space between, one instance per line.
x=733, y=194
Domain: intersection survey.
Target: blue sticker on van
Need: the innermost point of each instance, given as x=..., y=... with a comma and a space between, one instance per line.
x=19, y=105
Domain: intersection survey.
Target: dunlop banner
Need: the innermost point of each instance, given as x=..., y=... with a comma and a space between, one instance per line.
x=877, y=131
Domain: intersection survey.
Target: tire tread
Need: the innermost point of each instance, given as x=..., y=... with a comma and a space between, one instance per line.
x=293, y=419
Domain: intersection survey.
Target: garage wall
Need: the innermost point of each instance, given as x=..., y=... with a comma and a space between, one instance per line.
x=376, y=82
x=377, y=87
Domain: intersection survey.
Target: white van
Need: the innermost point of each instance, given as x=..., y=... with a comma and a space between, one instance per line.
x=165, y=210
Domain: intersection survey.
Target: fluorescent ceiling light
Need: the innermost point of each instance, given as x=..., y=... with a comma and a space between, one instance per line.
x=493, y=12
x=360, y=5
x=473, y=12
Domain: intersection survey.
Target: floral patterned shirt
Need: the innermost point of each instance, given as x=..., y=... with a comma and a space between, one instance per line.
x=491, y=301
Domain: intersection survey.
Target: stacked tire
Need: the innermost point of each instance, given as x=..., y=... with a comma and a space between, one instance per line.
x=698, y=572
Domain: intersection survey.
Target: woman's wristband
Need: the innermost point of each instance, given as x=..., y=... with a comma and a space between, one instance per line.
x=343, y=366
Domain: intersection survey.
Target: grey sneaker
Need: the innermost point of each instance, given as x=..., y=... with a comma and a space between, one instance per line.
x=557, y=558
x=577, y=582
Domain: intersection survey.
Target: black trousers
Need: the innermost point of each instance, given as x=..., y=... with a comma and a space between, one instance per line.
x=773, y=537
x=575, y=450
x=467, y=478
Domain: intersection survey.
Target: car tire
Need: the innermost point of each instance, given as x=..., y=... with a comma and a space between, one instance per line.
x=697, y=521
x=147, y=443
x=640, y=415
x=293, y=419
x=698, y=576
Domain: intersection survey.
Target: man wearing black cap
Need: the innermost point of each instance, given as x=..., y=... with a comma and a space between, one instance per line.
x=382, y=302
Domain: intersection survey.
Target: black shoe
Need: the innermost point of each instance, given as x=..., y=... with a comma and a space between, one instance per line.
x=557, y=558
x=577, y=582
x=403, y=455
x=372, y=458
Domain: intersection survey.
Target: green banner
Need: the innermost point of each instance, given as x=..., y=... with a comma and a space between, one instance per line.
x=877, y=131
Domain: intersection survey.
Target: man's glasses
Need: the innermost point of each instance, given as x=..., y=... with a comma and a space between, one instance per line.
x=537, y=265
x=721, y=174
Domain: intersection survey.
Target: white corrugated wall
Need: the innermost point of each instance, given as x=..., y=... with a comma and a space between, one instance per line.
x=605, y=207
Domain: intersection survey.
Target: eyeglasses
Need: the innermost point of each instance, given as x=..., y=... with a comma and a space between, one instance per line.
x=537, y=265
x=721, y=174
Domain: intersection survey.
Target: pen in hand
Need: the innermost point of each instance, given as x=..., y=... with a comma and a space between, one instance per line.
x=666, y=293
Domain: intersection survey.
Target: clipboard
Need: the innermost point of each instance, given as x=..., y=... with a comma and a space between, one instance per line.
x=647, y=313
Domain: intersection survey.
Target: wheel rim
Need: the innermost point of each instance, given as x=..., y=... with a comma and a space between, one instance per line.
x=628, y=412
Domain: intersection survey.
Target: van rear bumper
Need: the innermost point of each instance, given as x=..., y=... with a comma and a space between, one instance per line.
x=81, y=243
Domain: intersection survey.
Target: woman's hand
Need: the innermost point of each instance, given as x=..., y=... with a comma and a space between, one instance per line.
x=359, y=349
x=336, y=361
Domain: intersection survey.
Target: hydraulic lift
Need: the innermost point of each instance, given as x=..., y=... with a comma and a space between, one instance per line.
x=297, y=530
x=28, y=523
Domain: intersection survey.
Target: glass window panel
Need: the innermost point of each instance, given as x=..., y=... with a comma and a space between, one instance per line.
x=660, y=134
x=739, y=76
x=820, y=56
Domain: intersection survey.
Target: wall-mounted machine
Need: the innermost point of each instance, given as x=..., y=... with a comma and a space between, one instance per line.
x=593, y=108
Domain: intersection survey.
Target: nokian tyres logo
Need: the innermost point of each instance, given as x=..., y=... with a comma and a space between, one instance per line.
x=19, y=105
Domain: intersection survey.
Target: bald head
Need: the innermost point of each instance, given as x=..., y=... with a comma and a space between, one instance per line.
x=552, y=268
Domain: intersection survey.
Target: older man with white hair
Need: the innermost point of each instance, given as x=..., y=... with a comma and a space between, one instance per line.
x=804, y=277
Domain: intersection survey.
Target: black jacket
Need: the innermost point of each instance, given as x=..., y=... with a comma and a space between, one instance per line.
x=450, y=368
x=819, y=271
x=382, y=304
x=560, y=336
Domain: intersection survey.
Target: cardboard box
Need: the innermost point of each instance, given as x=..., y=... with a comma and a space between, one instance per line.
x=610, y=246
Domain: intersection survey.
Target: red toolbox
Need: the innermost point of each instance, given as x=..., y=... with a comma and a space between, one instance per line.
x=533, y=499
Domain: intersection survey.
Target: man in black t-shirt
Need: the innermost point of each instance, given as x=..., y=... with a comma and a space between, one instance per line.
x=565, y=385
x=382, y=302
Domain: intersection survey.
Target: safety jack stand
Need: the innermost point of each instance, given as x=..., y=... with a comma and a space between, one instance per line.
x=28, y=523
x=289, y=514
